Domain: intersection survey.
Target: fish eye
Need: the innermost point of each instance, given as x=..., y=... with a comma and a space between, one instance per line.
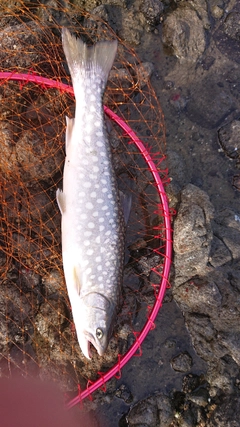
x=99, y=333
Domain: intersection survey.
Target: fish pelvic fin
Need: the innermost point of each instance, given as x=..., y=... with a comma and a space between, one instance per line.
x=60, y=196
x=88, y=61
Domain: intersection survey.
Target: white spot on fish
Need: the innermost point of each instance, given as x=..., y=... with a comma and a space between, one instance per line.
x=88, y=270
x=99, y=268
x=110, y=196
x=108, y=233
x=92, y=97
x=104, y=190
x=91, y=225
x=83, y=216
x=99, y=143
x=99, y=133
x=101, y=228
x=86, y=243
x=95, y=159
x=97, y=123
x=95, y=214
x=81, y=194
x=95, y=169
x=87, y=233
x=101, y=220
x=98, y=259
x=103, y=181
x=89, y=118
x=89, y=251
x=100, y=200
x=87, y=184
x=104, y=208
x=89, y=205
x=92, y=108
x=97, y=239
x=93, y=194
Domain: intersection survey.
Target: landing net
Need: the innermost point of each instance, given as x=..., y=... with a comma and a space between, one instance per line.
x=37, y=335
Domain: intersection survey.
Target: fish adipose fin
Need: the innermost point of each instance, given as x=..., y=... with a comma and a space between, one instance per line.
x=61, y=200
x=84, y=61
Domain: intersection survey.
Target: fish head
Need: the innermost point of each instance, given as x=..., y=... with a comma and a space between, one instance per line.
x=97, y=314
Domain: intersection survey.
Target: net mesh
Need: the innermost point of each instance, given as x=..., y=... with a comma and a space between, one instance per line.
x=37, y=336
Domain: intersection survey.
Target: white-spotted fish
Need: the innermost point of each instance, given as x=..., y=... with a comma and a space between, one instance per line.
x=92, y=218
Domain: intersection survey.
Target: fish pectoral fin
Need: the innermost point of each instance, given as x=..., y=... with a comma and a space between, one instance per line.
x=61, y=200
x=126, y=203
x=76, y=274
x=69, y=131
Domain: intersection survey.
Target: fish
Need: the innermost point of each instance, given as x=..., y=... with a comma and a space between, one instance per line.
x=92, y=215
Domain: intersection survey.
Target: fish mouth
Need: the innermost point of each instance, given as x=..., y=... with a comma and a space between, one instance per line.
x=86, y=345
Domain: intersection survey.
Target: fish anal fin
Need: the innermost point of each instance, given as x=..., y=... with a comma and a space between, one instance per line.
x=126, y=203
x=61, y=200
x=76, y=277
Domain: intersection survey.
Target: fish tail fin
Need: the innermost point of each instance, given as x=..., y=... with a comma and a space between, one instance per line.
x=84, y=61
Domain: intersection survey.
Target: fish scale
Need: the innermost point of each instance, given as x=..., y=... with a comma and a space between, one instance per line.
x=92, y=219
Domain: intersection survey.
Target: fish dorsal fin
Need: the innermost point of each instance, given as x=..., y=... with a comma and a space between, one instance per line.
x=76, y=278
x=126, y=203
x=69, y=131
x=61, y=200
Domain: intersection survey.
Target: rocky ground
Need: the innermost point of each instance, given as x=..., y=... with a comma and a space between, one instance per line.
x=189, y=374
x=194, y=47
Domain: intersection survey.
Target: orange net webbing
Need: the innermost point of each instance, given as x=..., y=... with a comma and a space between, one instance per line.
x=37, y=336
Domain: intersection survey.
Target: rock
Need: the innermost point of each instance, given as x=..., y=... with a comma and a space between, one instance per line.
x=226, y=35
x=124, y=393
x=229, y=139
x=183, y=34
x=228, y=218
x=144, y=414
x=143, y=73
x=165, y=410
x=231, y=25
x=33, y=156
x=226, y=413
x=192, y=234
x=152, y=10
x=198, y=296
x=219, y=253
x=154, y=411
x=230, y=237
x=182, y=362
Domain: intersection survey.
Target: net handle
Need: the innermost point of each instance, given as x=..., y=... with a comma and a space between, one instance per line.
x=114, y=371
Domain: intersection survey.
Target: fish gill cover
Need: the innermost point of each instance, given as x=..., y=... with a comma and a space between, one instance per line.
x=37, y=335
